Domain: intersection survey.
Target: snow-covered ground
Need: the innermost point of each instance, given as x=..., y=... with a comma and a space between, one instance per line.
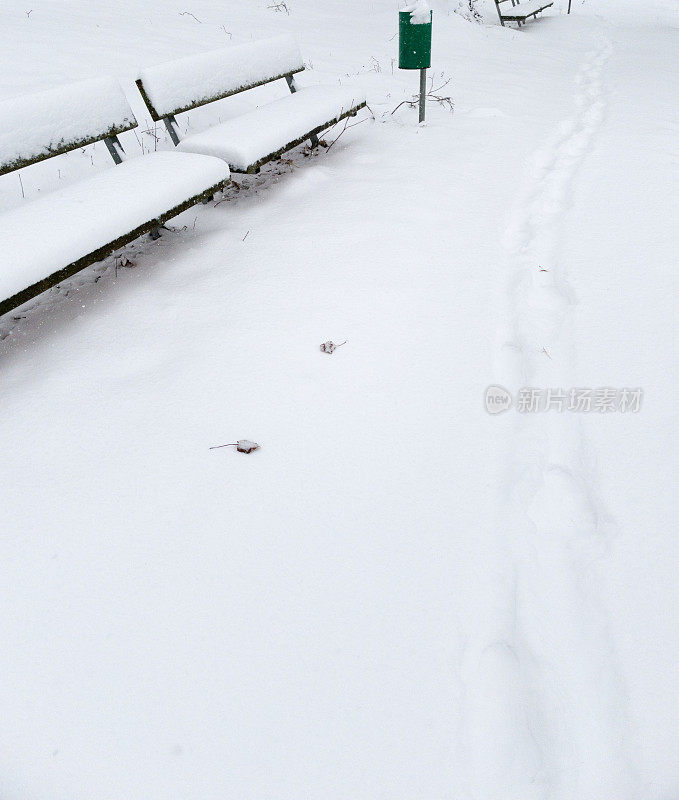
x=398, y=596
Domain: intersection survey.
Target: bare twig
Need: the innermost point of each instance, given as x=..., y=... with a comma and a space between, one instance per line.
x=152, y=132
x=345, y=128
x=189, y=14
x=245, y=237
x=282, y=6
x=473, y=11
x=438, y=88
x=433, y=94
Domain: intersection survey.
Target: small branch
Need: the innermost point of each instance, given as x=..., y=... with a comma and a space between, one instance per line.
x=152, y=132
x=438, y=89
x=189, y=14
x=414, y=101
x=346, y=127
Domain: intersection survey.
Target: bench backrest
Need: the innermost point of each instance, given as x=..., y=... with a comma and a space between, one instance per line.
x=38, y=126
x=190, y=82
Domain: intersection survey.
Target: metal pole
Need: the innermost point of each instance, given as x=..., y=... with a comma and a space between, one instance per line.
x=569, y=6
x=423, y=92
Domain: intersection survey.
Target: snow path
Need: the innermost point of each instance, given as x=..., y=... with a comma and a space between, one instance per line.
x=571, y=707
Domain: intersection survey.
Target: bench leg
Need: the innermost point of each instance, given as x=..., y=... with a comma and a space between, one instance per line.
x=170, y=124
x=290, y=80
x=115, y=148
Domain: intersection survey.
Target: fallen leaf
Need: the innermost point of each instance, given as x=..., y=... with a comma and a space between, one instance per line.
x=330, y=346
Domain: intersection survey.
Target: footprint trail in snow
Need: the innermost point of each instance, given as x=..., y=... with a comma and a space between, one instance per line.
x=544, y=694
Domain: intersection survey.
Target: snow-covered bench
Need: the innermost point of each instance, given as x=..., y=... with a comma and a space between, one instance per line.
x=46, y=240
x=513, y=11
x=250, y=140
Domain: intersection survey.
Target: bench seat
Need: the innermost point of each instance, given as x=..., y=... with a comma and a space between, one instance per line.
x=521, y=12
x=48, y=239
x=250, y=140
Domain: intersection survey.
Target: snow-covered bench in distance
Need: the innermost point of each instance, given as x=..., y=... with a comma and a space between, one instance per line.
x=252, y=139
x=46, y=240
x=520, y=12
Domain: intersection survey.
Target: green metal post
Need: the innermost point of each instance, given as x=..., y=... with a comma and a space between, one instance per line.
x=414, y=51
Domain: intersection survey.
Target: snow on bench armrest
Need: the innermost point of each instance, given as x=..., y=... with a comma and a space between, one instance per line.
x=36, y=126
x=185, y=83
x=79, y=219
x=251, y=138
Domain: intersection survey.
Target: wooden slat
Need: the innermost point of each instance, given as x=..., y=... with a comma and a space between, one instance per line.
x=157, y=117
x=63, y=147
x=256, y=166
x=41, y=125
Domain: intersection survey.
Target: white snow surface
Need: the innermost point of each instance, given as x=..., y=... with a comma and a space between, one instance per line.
x=244, y=140
x=420, y=12
x=191, y=80
x=35, y=124
x=399, y=595
x=80, y=218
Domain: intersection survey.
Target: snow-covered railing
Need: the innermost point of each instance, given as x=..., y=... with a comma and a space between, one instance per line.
x=176, y=86
x=48, y=123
